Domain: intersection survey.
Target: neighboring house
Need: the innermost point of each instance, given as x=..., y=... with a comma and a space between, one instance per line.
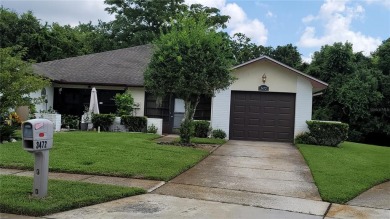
x=242, y=111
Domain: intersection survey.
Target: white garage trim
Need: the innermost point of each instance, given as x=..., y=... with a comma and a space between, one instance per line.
x=220, y=111
x=303, y=105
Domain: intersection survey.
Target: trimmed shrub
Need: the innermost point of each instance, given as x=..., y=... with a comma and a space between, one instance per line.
x=304, y=138
x=152, y=129
x=186, y=131
x=103, y=120
x=328, y=133
x=70, y=120
x=134, y=123
x=6, y=132
x=218, y=133
x=201, y=128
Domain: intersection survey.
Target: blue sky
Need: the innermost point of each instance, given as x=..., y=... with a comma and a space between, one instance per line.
x=307, y=24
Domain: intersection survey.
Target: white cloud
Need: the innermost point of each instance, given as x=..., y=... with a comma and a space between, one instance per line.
x=270, y=14
x=209, y=3
x=308, y=59
x=336, y=17
x=308, y=19
x=239, y=21
x=62, y=11
x=385, y=3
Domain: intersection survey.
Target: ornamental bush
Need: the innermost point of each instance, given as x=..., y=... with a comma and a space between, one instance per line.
x=134, y=123
x=70, y=120
x=218, y=133
x=304, y=138
x=186, y=131
x=201, y=128
x=103, y=120
x=124, y=103
x=328, y=133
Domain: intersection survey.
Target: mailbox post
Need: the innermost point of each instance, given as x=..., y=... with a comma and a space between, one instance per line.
x=38, y=139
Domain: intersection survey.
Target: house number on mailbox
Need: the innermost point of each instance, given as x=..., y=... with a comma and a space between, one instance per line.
x=40, y=144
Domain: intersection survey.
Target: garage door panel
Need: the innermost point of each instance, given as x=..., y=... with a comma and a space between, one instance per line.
x=254, y=121
x=262, y=116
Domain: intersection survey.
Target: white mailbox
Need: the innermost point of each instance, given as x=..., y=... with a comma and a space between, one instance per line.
x=37, y=137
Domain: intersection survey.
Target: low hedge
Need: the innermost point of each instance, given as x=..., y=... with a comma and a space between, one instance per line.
x=201, y=128
x=70, y=120
x=103, y=120
x=218, y=133
x=134, y=123
x=324, y=133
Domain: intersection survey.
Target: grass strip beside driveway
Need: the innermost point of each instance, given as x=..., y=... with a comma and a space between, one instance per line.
x=15, y=195
x=343, y=173
x=108, y=153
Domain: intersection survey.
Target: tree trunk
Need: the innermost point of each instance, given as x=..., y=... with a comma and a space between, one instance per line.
x=186, y=129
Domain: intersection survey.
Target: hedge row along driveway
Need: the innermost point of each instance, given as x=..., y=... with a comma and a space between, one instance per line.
x=108, y=153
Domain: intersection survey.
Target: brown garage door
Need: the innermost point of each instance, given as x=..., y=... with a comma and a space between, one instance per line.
x=262, y=116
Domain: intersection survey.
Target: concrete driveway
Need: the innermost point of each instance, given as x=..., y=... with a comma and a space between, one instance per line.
x=263, y=174
x=239, y=180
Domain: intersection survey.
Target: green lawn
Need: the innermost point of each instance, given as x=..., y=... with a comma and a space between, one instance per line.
x=108, y=153
x=15, y=195
x=343, y=173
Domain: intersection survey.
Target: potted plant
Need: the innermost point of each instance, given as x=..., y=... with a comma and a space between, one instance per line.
x=85, y=119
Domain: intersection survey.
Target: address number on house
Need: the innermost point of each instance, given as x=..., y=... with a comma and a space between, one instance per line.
x=40, y=144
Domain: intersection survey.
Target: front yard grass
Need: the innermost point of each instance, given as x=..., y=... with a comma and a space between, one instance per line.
x=15, y=195
x=343, y=173
x=108, y=153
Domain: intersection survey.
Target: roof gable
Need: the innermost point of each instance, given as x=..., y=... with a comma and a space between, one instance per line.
x=317, y=84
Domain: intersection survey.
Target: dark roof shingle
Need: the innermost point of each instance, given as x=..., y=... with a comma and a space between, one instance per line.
x=122, y=67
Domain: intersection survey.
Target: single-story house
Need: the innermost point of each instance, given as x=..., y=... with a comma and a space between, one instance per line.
x=269, y=101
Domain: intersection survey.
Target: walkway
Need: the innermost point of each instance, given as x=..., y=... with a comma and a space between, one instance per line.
x=148, y=185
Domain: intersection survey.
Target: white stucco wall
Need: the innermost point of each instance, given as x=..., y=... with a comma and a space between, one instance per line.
x=138, y=94
x=49, y=96
x=220, y=111
x=303, y=105
x=279, y=79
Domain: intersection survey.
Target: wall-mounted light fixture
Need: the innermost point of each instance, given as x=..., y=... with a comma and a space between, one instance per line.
x=264, y=78
x=60, y=90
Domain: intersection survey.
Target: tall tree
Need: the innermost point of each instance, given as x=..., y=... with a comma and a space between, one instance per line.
x=189, y=61
x=382, y=57
x=245, y=50
x=354, y=89
x=139, y=22
x=17, y=81
x=288, y=55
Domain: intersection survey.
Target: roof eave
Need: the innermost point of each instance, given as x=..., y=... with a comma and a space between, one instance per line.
x=98, y=84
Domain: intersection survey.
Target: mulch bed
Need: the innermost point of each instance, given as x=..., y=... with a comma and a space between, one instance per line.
x=207, y=147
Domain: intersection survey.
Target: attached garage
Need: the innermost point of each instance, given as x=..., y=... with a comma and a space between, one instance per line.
x=269, y=101
x=262, y=116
